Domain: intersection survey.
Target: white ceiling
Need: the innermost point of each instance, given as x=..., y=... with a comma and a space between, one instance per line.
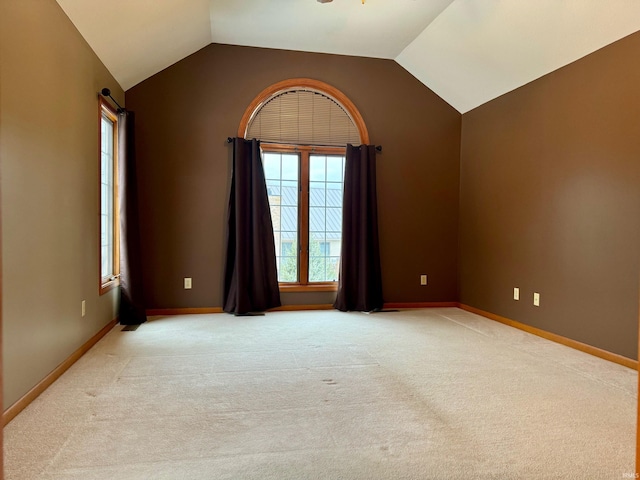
x=379, y=28
x=466, y=51
x=477, y=50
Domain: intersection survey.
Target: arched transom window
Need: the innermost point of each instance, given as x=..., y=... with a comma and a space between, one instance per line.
x=303, y=117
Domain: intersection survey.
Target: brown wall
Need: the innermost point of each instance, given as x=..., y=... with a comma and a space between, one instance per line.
x=49, y=78
x=184, y=115
x=550, y=201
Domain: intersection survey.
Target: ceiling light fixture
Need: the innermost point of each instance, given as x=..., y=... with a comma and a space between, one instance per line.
x=329, y=1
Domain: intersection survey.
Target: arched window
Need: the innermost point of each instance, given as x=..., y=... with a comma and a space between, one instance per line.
x=304, y=126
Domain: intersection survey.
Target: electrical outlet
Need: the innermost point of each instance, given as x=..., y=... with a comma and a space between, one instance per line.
x=187, y=283
x=536, y=299
x=516, y=293
x=84, y=308
x=423, y=279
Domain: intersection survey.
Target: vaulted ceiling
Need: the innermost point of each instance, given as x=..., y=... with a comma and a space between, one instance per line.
x=467, y=51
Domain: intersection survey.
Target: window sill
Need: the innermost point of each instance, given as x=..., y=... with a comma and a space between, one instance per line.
x=108, y=286
x=319, y=287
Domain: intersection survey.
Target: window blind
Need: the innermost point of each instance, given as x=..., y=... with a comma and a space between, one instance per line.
x=303, y=117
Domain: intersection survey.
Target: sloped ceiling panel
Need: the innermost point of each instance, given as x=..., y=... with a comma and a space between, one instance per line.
x=379, y=28
x=477, y=50
x=137, y=38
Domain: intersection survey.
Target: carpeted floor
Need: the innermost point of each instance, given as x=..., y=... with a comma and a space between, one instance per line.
x=419, y=394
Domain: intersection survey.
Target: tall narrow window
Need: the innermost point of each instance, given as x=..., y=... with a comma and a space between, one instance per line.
x=109, y=259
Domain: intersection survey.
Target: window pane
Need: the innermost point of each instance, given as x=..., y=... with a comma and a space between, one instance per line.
x=333, y=267
x=288, y=259
x=105, y=260
x=287, y=249
x=317, y=194
x=334, y=194
x=289, y=192
x=104, y=241
x=289, y=220
x=290, y=167
x=271, y=165
x=317, y=219
x=317, y=171
x=325, y=217
x=317, y=269
x=273, y=187
x=333, y=217
x=107, y=241
x=335, y=169
x=281, y=172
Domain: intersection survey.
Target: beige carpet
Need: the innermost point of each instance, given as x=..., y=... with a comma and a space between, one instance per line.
x=419, y=394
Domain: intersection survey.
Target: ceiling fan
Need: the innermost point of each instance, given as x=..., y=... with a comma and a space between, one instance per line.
x=329, y=1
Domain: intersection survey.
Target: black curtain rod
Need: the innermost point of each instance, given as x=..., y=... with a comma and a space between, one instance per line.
x=378, y=147
x=107, y=93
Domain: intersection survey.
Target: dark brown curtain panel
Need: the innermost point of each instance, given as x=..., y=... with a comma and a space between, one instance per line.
x=132, y=304
x=250, y=278
x=360, y=281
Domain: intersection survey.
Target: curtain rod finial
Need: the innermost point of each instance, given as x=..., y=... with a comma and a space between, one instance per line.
x=107, y=93
x=229, y=140
x=379, y=148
